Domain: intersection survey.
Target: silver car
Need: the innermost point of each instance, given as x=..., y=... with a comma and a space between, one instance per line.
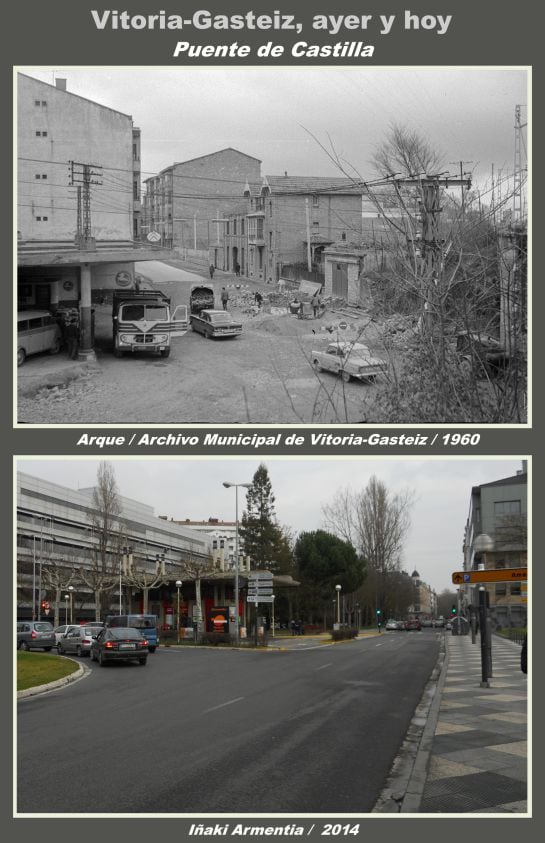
x=35, y=635
x=349, y=360
x=77, y=640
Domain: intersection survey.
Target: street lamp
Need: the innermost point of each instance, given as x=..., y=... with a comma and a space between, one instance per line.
x=71, y=591
x=338, y=589
x=66, y=598
x=237, y=561
x=178, y=587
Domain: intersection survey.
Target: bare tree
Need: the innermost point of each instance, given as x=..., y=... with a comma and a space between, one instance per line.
x=405, y=152
x=142, y=578
x=194, y=569
x=375, y=521
x=102, y=574
x=57, y=578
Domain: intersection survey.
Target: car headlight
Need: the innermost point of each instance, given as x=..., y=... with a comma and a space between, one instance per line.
x=126, y=337
x=161, y=337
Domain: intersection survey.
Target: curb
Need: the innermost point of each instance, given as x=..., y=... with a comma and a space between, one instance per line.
x=405, y=784
x=50, y=686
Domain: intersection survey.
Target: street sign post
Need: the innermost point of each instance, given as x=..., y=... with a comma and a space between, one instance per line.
x=493, y=575
x=258, y=598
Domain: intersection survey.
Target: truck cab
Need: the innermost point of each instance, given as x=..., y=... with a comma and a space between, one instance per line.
x=142, y=321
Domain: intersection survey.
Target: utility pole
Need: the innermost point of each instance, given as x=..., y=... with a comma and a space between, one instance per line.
x=517, y=187
x=84, y=175
x=462, y=174
x=307, y=214
x=432, y=244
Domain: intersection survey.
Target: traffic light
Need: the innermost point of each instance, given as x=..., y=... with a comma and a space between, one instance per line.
x=454, y=610
x=379, y=613
x=43, y=604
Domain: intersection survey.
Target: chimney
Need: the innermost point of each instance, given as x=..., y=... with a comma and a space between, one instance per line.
x=60, y=84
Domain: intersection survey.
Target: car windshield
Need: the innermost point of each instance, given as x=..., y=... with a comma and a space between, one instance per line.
x=220, y=318
x=137, y=312
x=124, y=632
x=43, y=627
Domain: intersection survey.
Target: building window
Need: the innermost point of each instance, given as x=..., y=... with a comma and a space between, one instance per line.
x=507, y=508
x=270, y=239
x=40, y=176
x=42, y=219
x=135, y=191
x=40, y=103
x=270, y=209
x=234, y=226
x=227, y=227
x=242, y=226
x=515, y=589
x=501, y=589
x=41, y=134
x=315, y=201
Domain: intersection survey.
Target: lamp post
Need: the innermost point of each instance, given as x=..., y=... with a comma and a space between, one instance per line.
x=237, y=560
x=178, y=587
x=338, y=590
x=66, y=598
x=71, y=592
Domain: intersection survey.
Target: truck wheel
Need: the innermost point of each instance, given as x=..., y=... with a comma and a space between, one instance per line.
x=21, y=356
x=165, y=352
x=316, y=365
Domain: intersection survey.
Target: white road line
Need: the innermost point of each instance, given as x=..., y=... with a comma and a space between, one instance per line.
x=382, y=643
x=323, y=666
x=222, y=705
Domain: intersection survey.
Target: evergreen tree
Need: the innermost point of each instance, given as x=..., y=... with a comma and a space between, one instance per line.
x=262, y=538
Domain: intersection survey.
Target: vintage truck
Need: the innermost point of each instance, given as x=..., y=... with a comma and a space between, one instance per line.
x=142, y=321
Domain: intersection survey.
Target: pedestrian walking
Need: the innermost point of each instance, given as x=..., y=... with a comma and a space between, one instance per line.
x=237, y=269
x=72, y=338
x=211, y=270
x=224, y=298
x=258, y=298
x=315, y=302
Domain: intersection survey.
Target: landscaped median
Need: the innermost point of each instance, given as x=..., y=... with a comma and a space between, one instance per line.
x=36, y=670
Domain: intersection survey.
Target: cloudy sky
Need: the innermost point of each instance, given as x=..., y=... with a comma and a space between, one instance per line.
x=466, y=114
x=192, y=488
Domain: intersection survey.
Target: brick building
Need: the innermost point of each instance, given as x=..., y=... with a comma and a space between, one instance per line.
x=186, y=201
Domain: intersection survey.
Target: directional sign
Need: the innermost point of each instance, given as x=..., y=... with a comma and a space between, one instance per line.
x=493, y=575
x=260, y=599
x=261, y=575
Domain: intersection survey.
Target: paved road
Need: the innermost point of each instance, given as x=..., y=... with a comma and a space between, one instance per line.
x=311, y=730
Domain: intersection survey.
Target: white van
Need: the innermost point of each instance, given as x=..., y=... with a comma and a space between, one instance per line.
x=37, y=330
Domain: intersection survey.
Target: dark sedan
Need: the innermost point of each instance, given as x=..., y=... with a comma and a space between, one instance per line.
x=413, y=623
x=215, y=323
x=119, y=643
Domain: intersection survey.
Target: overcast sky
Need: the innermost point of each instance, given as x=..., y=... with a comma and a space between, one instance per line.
x=466, y=114
x=187, y=488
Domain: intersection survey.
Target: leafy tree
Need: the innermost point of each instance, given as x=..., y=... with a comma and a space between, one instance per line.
x=323, y=561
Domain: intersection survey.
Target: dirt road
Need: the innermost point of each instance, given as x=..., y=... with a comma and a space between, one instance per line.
x=261, y=377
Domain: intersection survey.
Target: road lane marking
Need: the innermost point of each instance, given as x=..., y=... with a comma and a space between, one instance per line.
x=222, y=705
x=323, y=666
x=382, y=643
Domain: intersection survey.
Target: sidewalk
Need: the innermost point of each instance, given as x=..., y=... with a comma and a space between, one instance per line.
x=474, y=746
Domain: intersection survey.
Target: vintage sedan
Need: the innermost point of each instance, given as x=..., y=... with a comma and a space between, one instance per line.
x=215, y=323
x=349, y=360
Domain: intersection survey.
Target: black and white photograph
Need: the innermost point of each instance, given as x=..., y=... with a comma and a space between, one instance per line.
x=280, y=638
x=255, y=245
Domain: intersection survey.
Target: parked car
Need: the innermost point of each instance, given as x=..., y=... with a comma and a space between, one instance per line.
x=448, y=625
x=426, y=622
x=391, y=624
x=215, y=323
x=413, y=623
x=439, y=622
x=35, y=635
x=61, y=630
x=349, y=360
x=119, y=643
x=77, y=639
x=37, y=330
x=400, y=624
x=483, y=353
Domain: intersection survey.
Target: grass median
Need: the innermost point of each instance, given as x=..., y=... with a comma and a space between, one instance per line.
x=40, y=669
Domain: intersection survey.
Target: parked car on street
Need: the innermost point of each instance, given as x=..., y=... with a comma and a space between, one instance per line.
x=119, y=643
x=413, y=623
x=349, y=360
x=37, y=330
x=35, y=635
x=482, y=352
x=77, y=640
x=391, y=624
x=439, y=622
x=214, y=324
x=426, y=622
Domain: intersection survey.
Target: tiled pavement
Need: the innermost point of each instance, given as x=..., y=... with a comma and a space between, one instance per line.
x=478, y=753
